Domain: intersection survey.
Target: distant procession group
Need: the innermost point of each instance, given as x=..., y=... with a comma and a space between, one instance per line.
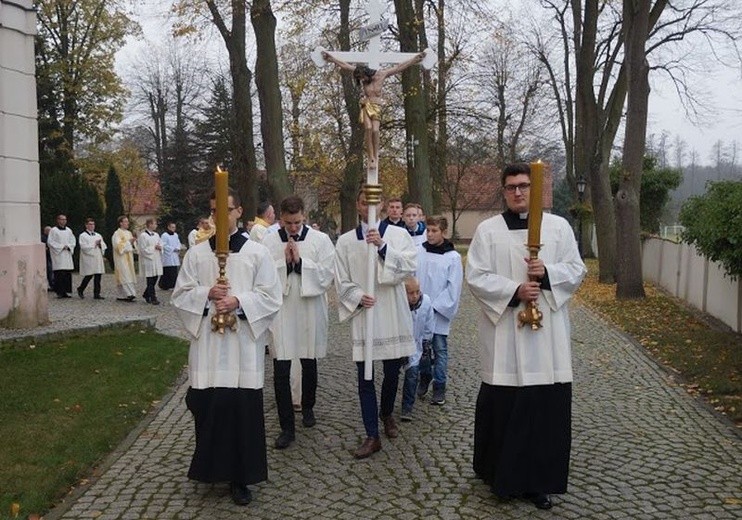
x=159, y=258
x=278, y=277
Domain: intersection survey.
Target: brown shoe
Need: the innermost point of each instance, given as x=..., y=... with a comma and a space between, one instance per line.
x=390, y=427
x=368, y=448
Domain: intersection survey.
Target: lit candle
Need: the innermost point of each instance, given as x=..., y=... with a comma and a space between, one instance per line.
x=221, y=186
x=535, y=203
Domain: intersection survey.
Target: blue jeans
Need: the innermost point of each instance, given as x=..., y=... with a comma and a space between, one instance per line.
x=439, y=369
x=409, y=389
x=367, y=395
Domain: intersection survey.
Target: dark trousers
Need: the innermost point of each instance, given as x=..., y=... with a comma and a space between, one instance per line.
x=367, y=395
x=282, y=388
x=149, y=292
x=96, y=284
x=63, y=282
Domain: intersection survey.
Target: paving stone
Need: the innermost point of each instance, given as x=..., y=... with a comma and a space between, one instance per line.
x=642, y=447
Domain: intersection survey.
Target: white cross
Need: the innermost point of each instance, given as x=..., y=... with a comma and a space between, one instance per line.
x=373, y=56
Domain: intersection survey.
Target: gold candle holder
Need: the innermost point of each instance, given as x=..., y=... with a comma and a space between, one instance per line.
x=227, y=320
x=531, y=315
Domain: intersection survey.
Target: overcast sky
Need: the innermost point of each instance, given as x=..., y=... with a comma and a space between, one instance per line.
x=722, y=88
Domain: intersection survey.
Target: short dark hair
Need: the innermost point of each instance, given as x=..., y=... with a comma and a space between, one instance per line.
x=150, y=221
x=263, y=207
x=437, y=220
x=89, y=220
x=515, y=169
x=121, y=218
x=291, y=205
x=232, y=193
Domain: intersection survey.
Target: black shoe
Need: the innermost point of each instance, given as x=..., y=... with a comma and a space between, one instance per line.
x=308, y=419
x=98, y=297
x=62, y=296
x=80, y=293
x=130, y=298
x=154, y=301
x=540, y=500
x=240, y=494
x=147, y=298
x=284, y=440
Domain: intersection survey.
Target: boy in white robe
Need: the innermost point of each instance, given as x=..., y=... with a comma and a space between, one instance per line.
x=441, y=274
x=61, y=242
x=92, y=251
x=414, y=227
x=423, y=322
x=124, y=244
x=522, y=431
x=305, y=261
x=395, y=260
x=226, y=371
x=150, y=259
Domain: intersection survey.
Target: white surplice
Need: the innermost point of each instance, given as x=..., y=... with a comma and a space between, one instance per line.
x=92, y=249
x=441, y=277
x=170, y=249
x=509, y=355
x=57, y=241
x=300, y=329
x=392, y=317
x=234, y=359
x=150, y=258
x=123, y=262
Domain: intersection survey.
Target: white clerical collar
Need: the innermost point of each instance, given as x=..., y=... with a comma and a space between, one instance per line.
x=364, y=227
x=523, y=216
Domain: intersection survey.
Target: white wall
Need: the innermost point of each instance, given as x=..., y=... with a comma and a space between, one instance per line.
x=684, y=273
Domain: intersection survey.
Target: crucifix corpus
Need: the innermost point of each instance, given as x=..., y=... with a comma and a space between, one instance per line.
x=365, y=68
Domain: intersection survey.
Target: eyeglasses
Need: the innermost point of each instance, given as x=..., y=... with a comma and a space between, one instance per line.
x=523, y=187
x=213, y=210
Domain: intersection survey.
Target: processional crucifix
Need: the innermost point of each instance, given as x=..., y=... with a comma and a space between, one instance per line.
x=371, y=82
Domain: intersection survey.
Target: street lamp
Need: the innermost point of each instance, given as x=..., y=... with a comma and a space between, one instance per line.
x=581, y=185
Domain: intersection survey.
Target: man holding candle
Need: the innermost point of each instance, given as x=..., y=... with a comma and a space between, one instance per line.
x=226, y=370
x=522, y=432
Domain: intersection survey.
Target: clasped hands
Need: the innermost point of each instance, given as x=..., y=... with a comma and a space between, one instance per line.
x=223, y=301
x=529, y=291
x=292, y=252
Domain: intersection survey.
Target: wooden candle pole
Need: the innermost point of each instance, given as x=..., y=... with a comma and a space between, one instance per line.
x=531, y=315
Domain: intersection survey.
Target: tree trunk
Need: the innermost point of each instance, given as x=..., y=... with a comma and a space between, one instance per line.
x=441, y=143
x=269, y=94
x=590, y=140
x=353, y=172
x=629, y=265
x=418, y=175
x=245, y=164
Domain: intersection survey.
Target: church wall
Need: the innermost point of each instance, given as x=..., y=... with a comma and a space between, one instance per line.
x=23, y=298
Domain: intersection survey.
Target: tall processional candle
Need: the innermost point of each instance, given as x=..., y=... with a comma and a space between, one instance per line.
x=221, y=188
x=535, y=204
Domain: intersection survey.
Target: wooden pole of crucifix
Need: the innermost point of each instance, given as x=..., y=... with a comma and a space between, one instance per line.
x=371, y=81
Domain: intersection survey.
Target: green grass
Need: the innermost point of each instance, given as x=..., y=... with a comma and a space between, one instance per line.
x=707, y=359
x=65, y=405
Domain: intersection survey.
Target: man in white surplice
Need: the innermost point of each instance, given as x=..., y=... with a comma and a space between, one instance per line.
x=226, y=371
x=305, y=261
x=522, y=431
x=61, y=243
x=150, y=259
x=396, y=259
x=92, y=250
